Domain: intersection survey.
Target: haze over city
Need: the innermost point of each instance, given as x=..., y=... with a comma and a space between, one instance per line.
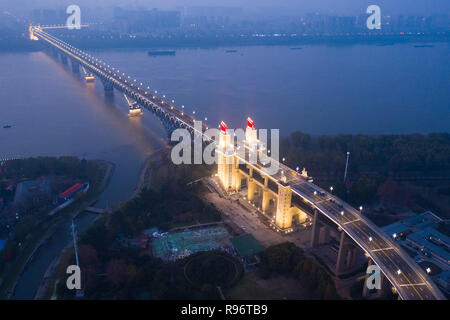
x=201, y=152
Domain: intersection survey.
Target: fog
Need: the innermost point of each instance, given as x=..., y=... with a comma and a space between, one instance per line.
x=250, y=7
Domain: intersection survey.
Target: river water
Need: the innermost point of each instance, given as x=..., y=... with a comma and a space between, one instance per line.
x=318, y=90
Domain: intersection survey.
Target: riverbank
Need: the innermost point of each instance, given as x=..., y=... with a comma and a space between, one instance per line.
x=181, y=42
x=71, y=212
x=46, y=289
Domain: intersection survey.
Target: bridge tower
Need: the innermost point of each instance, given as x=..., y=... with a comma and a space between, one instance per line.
x=251, y=134
x=225, y=154
x=251, y=141
x=283, y=216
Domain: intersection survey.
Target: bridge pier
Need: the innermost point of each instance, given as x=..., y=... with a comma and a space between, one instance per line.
x=315, y=229
x=344, y=254
x=265, y=200
x=109, y=88
x=236, y=176
x=347, y=254
x=63, y=58
x=385, y=286
x=365, y=288
x=266, y=195
x=75, y=66
x=251, y=185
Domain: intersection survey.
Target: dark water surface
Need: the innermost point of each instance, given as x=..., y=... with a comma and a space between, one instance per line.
x=318, y=90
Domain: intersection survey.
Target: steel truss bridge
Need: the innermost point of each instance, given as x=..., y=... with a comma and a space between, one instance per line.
x=408, y=279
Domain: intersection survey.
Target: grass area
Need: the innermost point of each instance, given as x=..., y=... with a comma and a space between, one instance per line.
x=251, y=287
x=248, y=289
x=215, y=268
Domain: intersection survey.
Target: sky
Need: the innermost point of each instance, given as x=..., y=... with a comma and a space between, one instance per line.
x=267, y=7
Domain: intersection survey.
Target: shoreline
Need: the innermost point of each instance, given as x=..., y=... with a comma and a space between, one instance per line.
x=49, y=276
x=49, y=234
x=24, y=45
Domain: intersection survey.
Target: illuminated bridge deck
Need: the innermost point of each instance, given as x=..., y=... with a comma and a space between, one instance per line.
x=406, y=276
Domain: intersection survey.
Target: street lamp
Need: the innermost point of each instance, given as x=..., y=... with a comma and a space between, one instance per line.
x=360, y=209
x=331, y=188
x=428, y=270
x=399, y=272
x=342, y=213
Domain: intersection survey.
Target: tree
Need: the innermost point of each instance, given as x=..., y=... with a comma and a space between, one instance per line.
x=24, y=227
x=89, y=264
x=116, y=272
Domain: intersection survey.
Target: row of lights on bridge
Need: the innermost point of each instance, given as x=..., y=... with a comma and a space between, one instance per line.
x=100, y=62
x=97, y=61
x=116, y=72
x=156, y=91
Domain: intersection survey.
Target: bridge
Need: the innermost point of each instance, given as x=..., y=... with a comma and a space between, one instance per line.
x=287, y=192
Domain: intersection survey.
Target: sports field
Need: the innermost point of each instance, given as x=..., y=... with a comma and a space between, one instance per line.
x=182, y=244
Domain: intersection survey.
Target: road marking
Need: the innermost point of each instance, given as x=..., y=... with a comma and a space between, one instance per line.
x=375, y=250
x=356, y=220
x=413, y=284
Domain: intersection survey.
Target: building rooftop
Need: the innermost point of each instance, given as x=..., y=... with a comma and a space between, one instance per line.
x=433, y=240
x=30, y=188
x=246, y=245
x=416, y=223
x=423, y=220
x=396, y=227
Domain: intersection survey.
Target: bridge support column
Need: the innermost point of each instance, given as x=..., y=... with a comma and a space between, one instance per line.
x=343, y=253
x=75, y=66
x=315, y=229
x=266, y=195
x=54, y=52
x=251, y=189
x=236, y=175
x=63, y=58
x=324, y=235
x=265, y=200
x=283, y=217
x=109, y=88
x=385, y=286
x=365, y=288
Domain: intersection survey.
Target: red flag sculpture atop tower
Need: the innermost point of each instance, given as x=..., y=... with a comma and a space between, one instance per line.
x=223, y=127
x=250, y=123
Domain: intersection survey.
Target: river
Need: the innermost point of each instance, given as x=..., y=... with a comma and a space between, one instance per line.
x=318, y=90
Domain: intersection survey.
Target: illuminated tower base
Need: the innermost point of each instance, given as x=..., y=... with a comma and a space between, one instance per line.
x=283, y=217
x=225, y=158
